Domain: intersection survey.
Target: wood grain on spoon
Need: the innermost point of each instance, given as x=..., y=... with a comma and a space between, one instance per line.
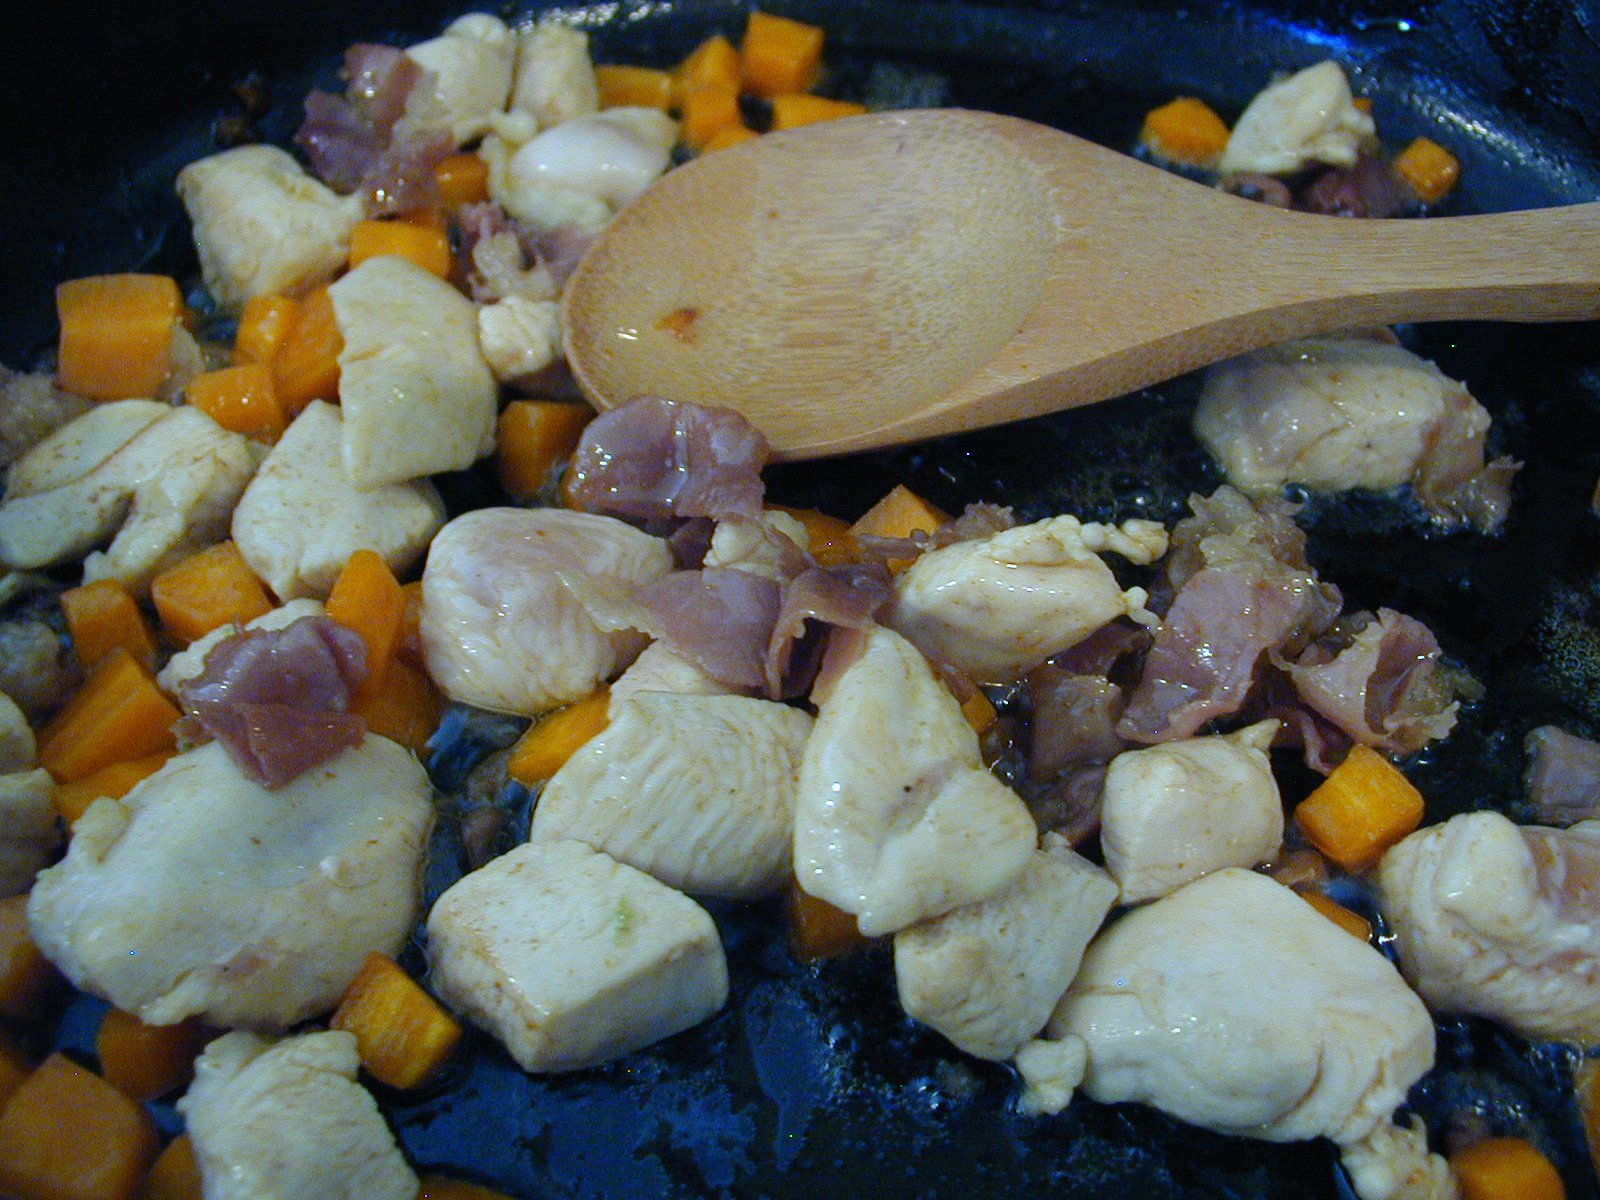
x=890, y=277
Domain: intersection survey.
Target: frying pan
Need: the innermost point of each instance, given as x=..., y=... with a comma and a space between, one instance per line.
x=810, y=1082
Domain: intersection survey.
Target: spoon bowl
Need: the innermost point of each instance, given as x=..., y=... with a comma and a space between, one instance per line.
x=879, y=279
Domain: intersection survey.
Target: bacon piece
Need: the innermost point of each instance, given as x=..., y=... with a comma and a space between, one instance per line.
x=719, y=619
x=1563, y=777
x=278, y=699
x=847, y=596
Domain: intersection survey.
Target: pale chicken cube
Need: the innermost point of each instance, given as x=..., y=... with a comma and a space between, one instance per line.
x=572, y=959
x=896, y=818
x=519, y=337
x=1172, y=812
x=470, y=68
x=202, y=894
x=82, y=444
x=1309, y=117
x=1394, y=1163
x=263, y=225
x=577, y=173
x=1502, y=921
x=997, y=607
x=168, y=491
x=417, y=396
x=554, y=76
x=1051, y=1071
x=301, y=518
x=1233, y=1004
x=988, y=975
x=17, y=744
x=286, y=1120
x=767, y=547
x=696, y=791
x=28, y=832
x=502, y=627
x=659, y=669
x=190, y=662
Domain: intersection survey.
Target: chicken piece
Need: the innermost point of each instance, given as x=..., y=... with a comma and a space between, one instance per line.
x=1502, y=921
x=554, y=77
x=190, y=662
x=301, y=518
x=988, y=975
x=17, y=744
x=1310, y=117
x=417, y=396
x=165, y=493
x=896, y=819
x=31, y=409
x=1393, y=1163
x=572, y=959
x=1051, y=1071
x=470, y=69
x=997, y=607
x=658, y=669
x=201, y=893
x=1172, y=812
x=769, y=547
x=502, y=627
x=82, y=444
x=519, y=337
x=263, y=225
x=696, y=791
x=28, y=832
x=577, y=173
x=1233, y=1004
x=284, y=1120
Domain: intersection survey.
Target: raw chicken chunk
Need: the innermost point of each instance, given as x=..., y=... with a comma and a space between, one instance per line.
x=81, y=445
x=1310, y=117
x=417, y=396
x=262, y=225
x=571, y=958
x=502, y=627
x=658, y=669
x=996, y=607
x=697, y=791
x=470, y=68
x=767, y=547
x=201, y=893
x=1172, y=812
x=301, y=518
x=1235, y=1005
x=287, y=1120
x=555, y=78
x=519, y=337
x=896, y=818
x=1502, y=921
x=988, y=975
x=28, y=833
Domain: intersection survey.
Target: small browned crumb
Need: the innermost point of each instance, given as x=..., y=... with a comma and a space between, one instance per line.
x=680, y=323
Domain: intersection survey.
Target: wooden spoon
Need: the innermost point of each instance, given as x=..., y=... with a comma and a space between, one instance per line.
x=894, y=276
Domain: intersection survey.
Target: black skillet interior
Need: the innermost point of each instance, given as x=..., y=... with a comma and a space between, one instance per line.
x=810, y=1082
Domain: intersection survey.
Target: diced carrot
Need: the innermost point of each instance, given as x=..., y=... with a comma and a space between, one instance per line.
x=423, y=245
x=402, y=1033
x=306, y=366
x=368, y=599
x=462, y=179
x=437, y=1187
x=102, y=616
x=410, y=647
x=832, y=542
x=26, y=976
x=1428, y=168
x=116, y=334
x=115, y=780
x=779, y=55
x=532, y=437
x=556, y=736
x=728, y=135
x=819, y=930
x=207, y=591
x=1185, y=130
x=708, y=109
x=1506, y=1168
x=714, y=63
x=430, y=216
x=405, y=709
x=898, y=515
x=242, y=398
x=146, y=1061
x=67, y=1134
x=175, y=1175
x=790, y=110
x=263, y=326
x=118, y=714
x=1361, y=104
x=979, y=711
x=14, y=1067
x=1346, y=919
x=1363, y=807
x=644, y=87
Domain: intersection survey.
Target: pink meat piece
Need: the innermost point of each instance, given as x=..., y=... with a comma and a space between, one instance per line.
x=1563, y=776
x=979, y=520
x=278, y=699
x=1074, y=720
x=848, y=596
x=719, y=619
x=653, y=459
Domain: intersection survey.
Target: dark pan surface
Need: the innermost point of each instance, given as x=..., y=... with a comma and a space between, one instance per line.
x=810, y=1082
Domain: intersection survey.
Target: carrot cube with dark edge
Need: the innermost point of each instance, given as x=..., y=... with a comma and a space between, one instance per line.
x=175, y=1175
x=242, y=399
x=145, y=1061
x=779, y=55
x=556, y=737
x=118, y=714
x=401, y=1032
x=1506, y=1168
x=369, y=600
x=208, y=590
x=115, y=780
x=306, y=365
x=1364, y=806
x=26, y=976
x=116, y=334
x=532, y=437
x=819, y=930
x=102, y=616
